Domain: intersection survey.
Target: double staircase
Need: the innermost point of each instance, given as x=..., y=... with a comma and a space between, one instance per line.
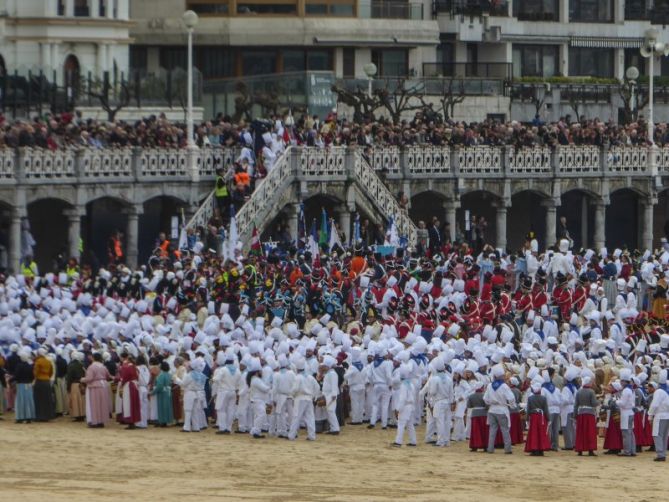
x=302, y=172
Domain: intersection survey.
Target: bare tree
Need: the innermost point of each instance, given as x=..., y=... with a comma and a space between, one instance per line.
x=243, y=102
x=577, y=100
x=451, y=96
x=112, y=100
x=634, y=99
x=359, y=99
x=538, y=98
x=404, y=97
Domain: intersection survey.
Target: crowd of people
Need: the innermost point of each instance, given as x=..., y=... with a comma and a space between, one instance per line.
x=488, y=348
x=71, y=130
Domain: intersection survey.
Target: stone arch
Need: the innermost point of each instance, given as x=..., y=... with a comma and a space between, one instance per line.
x=623, y=224
x=425, y=205
x=577, y=207
x=156, y=217
x=104, y=216
x=49, y=227
x=64, y=195
x=6, y=210
x=526, y=214
x=71, y=76
x=177, y=193
x=661, y=216
x=477, y=203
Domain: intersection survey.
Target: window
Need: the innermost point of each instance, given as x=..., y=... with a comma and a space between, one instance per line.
x=294, y=60
x=537, y=10
x=535, y=60
x=258, y=62
x=214, y=62
x=340, y=8
x=139, y=57
x=173, y=57
x=391, y=62
x=319, y=60
x=349, y=62
x=267, y=7
x=590, y=62
x=591, y=11
x=209, y=7
x=633, y=58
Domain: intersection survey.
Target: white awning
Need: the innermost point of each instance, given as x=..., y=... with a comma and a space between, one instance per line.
x=606, y=42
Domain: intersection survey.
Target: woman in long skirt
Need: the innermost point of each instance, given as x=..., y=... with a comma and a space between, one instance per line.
x=537, y=432
x=42, y=392
x=162, y=393
x=98, y=401
x=24, y=404
x=75, y=372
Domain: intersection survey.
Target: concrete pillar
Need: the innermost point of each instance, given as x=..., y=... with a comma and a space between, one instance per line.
x=584, y=221
x=110, y=61
x=14, y=258
x=69, y=8
x=647, y=229
x=55, y=60
x=564, y=11
x=451, y=206
x=74, y=230
x=551, y=231
x=123, y=10
x=501, y=226
x=94, y=6
x=293, y=212
x=50, y=11
x=132, y=234
x=600, y=226
x=45, y=49
x=102, y=59
x=109, y=11
x=345, y=223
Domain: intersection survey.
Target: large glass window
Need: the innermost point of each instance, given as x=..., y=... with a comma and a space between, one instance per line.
x=294, y=60
x=139, y=57
x=214, y=62
x=391, y=62
x=319, y=60
x=209, y=7
x=341, y=8
x=258, y=62
x=590, y=62
x=535, y=60
x=349, y=62
x=591, y=11
x=173, y=57
x=537, y=10
x=267, y=7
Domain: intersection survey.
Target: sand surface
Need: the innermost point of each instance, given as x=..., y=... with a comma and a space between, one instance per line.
x=62, y=460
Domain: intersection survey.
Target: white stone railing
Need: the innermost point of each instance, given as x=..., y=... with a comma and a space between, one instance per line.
x=427, y=160
x=203, y=214
x=162, y=163
x=663, y=160
x=7, y=165
x=215, y=158
x=385, y=158
x=480, y=160
x=106, y=164
x=578, y=160
x=324, y=163
x=42, y=164
x=383, y=199
x=627, y=160
x=529, y=161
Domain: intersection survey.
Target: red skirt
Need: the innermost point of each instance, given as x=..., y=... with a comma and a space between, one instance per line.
x=613, y=440
x=478, y=436
x=640, y=430
x=537, y=434
x=135, y=406
x=516, y=429
x=586, y=433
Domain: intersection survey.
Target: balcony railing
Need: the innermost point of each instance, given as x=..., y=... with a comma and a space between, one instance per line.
x=471, y=8
x=390, y=9
x=503, y=71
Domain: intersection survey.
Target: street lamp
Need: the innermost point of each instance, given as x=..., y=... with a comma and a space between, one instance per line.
x=632, y=74
x=190, y=19
x=370, y=71
x=650, y=47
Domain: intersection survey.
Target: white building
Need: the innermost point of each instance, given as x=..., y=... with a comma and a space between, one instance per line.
x=64, y=36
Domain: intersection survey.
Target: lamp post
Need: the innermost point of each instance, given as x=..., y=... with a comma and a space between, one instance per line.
x=370, y=71
x=632, y=74
x=650, y=47
x=190, y=19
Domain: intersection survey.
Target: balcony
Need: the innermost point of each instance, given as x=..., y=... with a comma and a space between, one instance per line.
x=502, y=71
x=473, y=8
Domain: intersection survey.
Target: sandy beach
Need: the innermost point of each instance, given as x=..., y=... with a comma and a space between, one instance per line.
x=67, y=461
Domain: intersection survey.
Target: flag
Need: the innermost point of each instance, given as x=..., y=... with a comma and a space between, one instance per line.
x=392, y=238
x=256, y=249
x=334, y=236
x=233, y=235
x=183, y=237
x=312, y=242
x=301, y=228
x=324, y=237
x=357, y=237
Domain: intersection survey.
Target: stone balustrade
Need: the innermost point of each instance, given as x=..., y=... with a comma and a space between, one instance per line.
x=35, y=165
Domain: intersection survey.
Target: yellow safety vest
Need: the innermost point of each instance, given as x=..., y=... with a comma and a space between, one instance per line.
x=221, y=187
x=30, y=270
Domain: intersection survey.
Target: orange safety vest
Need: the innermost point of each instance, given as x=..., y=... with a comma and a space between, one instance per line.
x=118, y=252
x=164, y=248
